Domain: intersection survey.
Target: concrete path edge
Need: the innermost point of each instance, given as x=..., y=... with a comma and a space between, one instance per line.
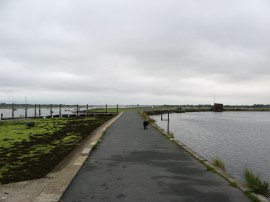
x=77, y=164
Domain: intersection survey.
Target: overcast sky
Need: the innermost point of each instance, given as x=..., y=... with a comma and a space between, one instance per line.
x=135, y=51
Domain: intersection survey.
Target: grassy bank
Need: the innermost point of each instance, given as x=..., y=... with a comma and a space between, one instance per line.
x=31, y=152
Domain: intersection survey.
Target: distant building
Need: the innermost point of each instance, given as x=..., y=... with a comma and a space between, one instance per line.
x=218, y=107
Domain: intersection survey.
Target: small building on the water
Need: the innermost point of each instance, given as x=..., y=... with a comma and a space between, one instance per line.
x=218, y=107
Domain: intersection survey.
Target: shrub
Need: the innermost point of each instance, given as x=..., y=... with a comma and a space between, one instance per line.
x=255, y=183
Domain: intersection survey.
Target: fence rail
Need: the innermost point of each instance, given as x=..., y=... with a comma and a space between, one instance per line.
x=28, y=111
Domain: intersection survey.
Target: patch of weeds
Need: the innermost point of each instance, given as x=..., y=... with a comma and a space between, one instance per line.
x=95, y=146
x=232, y=184
x=71, y=138
x=202, y=161
x=256, y=184
x=98, y=142
x=167, y=136
x=171, y=135
x=89, y=118
x=251, y=197
x=210, y=169
x=218, y=163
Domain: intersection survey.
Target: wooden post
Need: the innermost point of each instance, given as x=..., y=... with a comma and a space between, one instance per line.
x=117, y=109
x=106, y=108
x=86, y=114
x=51, y=112
x=60, y=110
x=39, y=111
x=35, y=112
x=12, y=111
x=168, y=124
x=77, y=110
x=26, y=111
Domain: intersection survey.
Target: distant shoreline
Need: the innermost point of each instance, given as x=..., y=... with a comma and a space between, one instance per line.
x=157, y=112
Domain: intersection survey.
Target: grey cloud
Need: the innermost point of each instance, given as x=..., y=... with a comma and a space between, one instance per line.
x=167, y=51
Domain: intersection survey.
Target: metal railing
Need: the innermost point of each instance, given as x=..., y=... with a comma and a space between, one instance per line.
x=16, y=111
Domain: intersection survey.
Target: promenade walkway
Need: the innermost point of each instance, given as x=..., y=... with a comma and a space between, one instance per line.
x=132, y=164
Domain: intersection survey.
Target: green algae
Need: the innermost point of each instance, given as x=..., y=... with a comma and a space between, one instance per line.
x=31, y=152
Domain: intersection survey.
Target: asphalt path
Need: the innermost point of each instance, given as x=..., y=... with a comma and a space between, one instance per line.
x=132, y=164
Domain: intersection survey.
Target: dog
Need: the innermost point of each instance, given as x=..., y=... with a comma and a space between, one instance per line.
x=145, y=124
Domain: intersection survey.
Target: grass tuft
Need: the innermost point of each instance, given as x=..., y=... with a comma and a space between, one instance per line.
x=251, y=197
x=232, y=184
x=256, y=184
x=211, y=169
x=218, y=163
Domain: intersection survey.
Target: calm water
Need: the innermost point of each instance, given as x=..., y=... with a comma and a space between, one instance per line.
x=240, y=139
